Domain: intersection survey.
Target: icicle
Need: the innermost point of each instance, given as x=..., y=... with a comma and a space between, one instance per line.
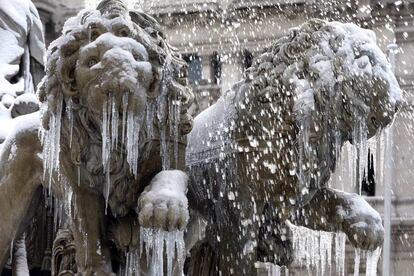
x=50, y=140
x=351, y=164
x=106, y=148
x=157, y=264
x=124, y=115
x=155, y=242
x=105, y=133
x=273, y=270
x=338, y=145
x=381, y=152
x=114, y=124
x=133, y=126
x=176, y=124
x=132, y=263
x=170, y=244
x=69, y=113
x=340, y=239
x=359, y=138
x=312, y=248
x=325, y=250
x=179, y=242
x=357, y=261
x=146, y=237
x=372, y=262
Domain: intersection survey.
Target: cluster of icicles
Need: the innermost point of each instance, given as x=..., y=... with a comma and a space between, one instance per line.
x=313, y=249
x=156, y=244
x=131, y=126
x=112, y=140
x=307, y=153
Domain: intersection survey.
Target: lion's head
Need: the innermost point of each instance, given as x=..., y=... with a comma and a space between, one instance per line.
x=319, y=86
x=112, y=86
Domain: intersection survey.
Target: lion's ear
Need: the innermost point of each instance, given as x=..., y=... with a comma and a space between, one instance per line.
x=68, y=76
x=67, y=65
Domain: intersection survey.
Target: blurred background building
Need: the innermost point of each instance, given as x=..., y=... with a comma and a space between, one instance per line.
x=218, y=38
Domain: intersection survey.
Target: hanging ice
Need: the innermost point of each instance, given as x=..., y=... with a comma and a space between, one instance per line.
x=340, y=241
x=372, y=261
x=130, y=133
x=50, y=140
x=357, y=261
x=155, y=242
x=132, y=263
x=106, y=150
x=312, y=248
x=133, y=124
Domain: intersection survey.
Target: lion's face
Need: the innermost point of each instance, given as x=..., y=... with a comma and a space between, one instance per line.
x=369, y=89
x=113, y=66
x=335, y=72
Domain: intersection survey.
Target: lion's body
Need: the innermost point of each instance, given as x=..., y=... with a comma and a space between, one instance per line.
x=268, y=147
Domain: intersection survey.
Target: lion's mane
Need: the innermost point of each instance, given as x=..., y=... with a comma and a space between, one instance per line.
x=66, y=120
x=320, y=85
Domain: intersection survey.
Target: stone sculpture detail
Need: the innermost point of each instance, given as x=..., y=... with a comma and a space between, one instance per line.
x=112, y=144
x=113, y=116
x=263, y=154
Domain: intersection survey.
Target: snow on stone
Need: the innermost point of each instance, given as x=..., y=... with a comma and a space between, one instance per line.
x=20, y=27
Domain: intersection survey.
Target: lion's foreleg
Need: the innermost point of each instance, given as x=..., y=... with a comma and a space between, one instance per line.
x=89, y=232
x=337, y=211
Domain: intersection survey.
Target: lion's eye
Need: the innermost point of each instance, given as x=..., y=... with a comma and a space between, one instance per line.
x=91, y=62
x=94, y=35
x=137, y=57
x=124, y=32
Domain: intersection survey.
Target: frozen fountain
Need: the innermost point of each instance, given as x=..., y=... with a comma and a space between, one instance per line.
x=110, y=147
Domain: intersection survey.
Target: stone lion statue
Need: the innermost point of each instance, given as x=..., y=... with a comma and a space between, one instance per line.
x=263, y=154
x=111, y=147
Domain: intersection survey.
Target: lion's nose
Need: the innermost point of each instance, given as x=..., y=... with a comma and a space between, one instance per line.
x=118, y=57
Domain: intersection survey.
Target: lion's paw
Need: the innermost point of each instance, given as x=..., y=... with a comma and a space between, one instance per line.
x=164, y=205
x=363, y=225
x=367, y=234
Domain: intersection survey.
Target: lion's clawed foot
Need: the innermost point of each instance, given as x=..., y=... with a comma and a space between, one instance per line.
x=163, y=204
x=362, y=224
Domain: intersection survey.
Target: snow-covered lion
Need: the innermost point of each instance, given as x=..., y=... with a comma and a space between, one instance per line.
x=263, y=154
x=109, y=140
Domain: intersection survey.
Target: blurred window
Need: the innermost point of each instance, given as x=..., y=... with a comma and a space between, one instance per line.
x=194, y=68
x=216, y=68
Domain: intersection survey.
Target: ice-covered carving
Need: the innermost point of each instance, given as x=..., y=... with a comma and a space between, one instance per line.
x=21, y=31
x=21, y=67
x=113, y=116
x=265, y=151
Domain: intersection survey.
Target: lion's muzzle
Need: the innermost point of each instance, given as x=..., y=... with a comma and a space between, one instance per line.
x=112, y=66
